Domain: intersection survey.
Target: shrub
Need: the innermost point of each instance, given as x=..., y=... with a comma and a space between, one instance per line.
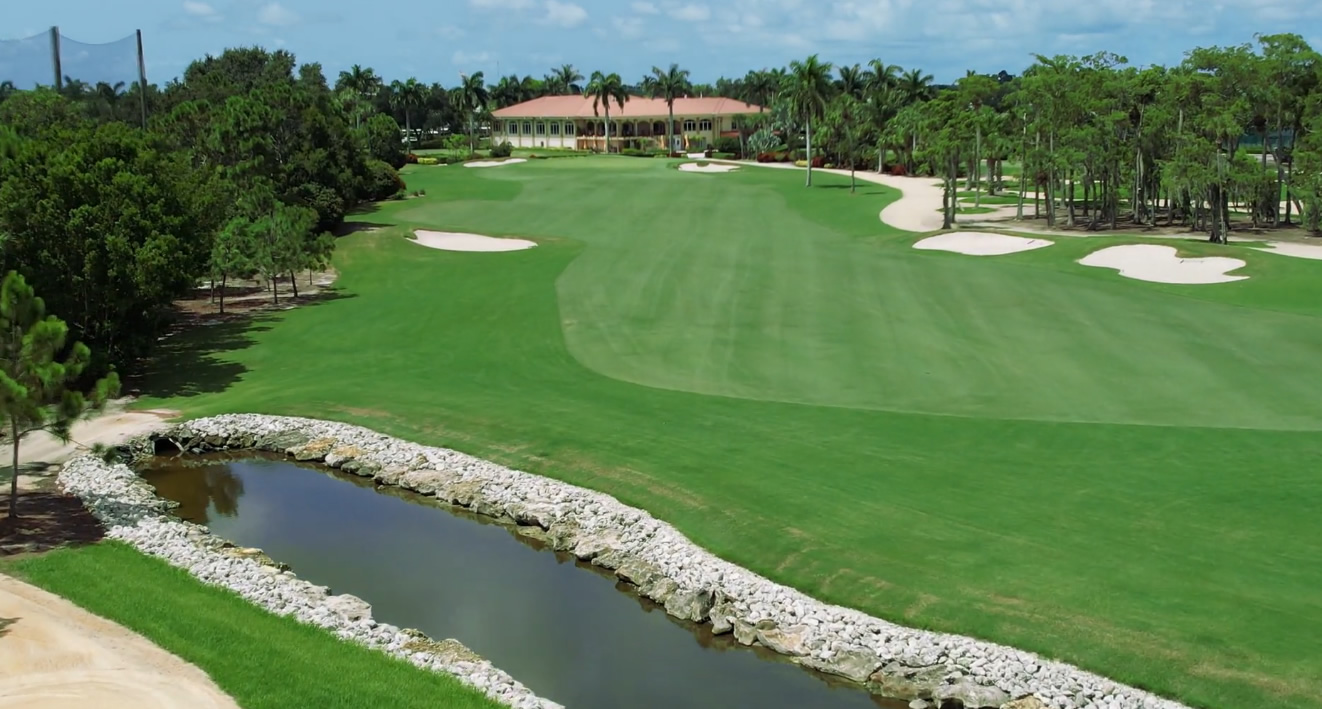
x=819, y=161
x=503, y=150
x=727, y=144
x=898, y=170
x=636, y=153
x=428, y=160
x=800, y=163
x=411, y=159
x=382, y=180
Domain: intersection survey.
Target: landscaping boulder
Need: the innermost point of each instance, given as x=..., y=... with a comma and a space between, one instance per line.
x=971, y=695
x=791, y=641
x=856, y=664
x=904, y=682
x=690, y=604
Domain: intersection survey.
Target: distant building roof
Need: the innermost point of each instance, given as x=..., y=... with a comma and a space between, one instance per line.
x=635, y=107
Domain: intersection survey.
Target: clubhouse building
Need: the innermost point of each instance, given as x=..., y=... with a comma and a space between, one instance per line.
x=569, y=122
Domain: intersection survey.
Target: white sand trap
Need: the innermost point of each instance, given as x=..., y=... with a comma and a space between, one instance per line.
x=452, y=241
x=709, y=167
x=975, y=243
x=1161, y=264
x=494, y=163
x=1289, y=248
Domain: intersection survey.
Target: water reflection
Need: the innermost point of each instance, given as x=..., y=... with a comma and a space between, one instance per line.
x=570, y=631
x=210, y=489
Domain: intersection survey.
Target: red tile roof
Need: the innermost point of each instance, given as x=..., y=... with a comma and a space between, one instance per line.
x=635, y=107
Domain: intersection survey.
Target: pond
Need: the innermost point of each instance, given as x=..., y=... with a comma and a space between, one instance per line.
x=569, y=631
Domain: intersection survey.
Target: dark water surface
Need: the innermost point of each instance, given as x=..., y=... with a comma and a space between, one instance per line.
x=565, y=629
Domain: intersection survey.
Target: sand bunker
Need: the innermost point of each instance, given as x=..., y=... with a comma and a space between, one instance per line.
x=1161, y=264
x=57, y=655
x=494, y=163
x=975, y=243
x=1288, y=248
x=709, y=167
x=451, y=241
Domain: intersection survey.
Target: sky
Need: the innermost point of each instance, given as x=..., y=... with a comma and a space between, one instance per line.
x=436, y=40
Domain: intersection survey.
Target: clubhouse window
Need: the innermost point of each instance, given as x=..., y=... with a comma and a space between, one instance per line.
x=690, y=125
x=705, y=125
x=512, y=127
x=541, y=128
x=555, y=129
x=527, y=127
x=569, y=129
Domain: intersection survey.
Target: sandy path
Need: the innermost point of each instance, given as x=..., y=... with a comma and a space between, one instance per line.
x=55, y=655
x=39, y=453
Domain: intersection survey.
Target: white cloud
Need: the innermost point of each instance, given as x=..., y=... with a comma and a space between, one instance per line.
x=449, y=32
x=277, y=15
x=201, y=9
x=463, y=58
x=691, y=13
x=627, y=27
x=645, y=8
x=564, y=14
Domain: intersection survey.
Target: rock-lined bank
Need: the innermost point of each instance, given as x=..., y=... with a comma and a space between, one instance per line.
x=930, y=668
x=131, y=511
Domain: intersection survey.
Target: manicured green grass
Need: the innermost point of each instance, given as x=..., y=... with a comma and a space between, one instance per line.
x=970, y=209
x=259, y=659
x=1116, y=473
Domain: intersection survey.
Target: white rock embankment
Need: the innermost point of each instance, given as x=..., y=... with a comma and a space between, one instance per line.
x=131, y=511
x=688, y=581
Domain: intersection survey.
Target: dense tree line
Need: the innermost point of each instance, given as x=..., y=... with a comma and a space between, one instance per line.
x=246, y=163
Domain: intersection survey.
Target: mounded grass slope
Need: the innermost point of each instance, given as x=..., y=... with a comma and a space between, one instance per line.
x=262, y=660
x=787, y=381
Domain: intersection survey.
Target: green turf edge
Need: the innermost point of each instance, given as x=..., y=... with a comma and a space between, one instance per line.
x=260, y=659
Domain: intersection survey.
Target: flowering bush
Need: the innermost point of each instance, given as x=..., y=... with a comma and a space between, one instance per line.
x=411, y=159
x=898, y=170
x=427, y=161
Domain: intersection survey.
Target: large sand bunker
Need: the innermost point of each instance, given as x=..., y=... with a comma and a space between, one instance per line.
x=976, y=243
x=494, y=163
x=1290, y=248
x=453, y=241
x=1162, y=264
x=709, y=167
x=58, y=655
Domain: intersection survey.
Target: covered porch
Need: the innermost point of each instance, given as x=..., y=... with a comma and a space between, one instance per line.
x=636, y=134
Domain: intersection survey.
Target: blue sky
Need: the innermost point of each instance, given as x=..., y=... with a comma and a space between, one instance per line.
x=437, y=40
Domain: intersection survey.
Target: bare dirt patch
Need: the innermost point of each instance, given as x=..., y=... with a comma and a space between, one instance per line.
x=57, y=656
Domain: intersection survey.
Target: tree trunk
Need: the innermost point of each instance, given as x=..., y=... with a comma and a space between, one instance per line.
x=222, y=291
x=13, y=483
x=670, y=131
x=808, y=149
x=977, y=166
x=213, y=291
x=293, y=281
x=275, y=290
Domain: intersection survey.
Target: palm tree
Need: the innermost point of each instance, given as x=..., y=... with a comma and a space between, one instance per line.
x=917, y=86
x=806, y=90
x=74, y=89
x=882, y=105
x=603, y=88
x=882, y=74
x=109, y=96
x=7, y=89
x=362, y=82
x=406, y=96
x=669, y=85
x=473, y=101
x=568, y=77
x=506, y=92
x=759, y=88
x=853, y=80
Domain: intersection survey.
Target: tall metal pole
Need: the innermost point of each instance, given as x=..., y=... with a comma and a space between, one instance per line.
x=55, y=57
x=142, y=81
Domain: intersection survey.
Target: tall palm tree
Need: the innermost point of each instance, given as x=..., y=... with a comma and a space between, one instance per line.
x=917, y=86
x=7, y=89
x=853, y=81
x=74, y=89
x=669, y=84
x=473, y=102
x=361, y=81
x=759, y=88
x=507, y=91
x=109, y=95
x=882, y=74
x=806, y=90
x=603, y=88
x=568, y=77
x=406, y=96
x=882, y=105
